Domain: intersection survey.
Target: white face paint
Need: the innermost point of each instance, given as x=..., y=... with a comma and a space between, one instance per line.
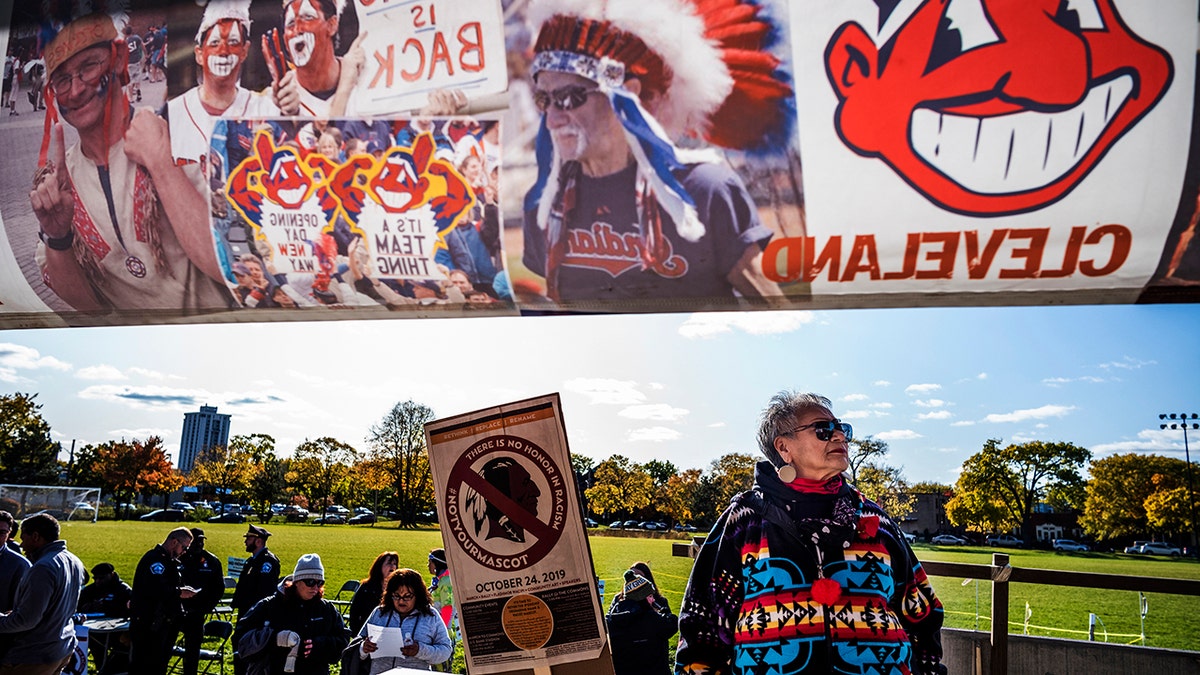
x=222, y=66
x=298, y=27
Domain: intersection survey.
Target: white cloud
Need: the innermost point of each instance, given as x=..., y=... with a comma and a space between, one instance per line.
x=917, y=389
x=881, y=383
x=854, y=397
x=981, y=376
x=659, y=412
x=152, y=374
x=857, y=414
x=601, y=391
x=935, y=415
x=14, y=357
x=1030, y=414
x=100, y=372
x=717, y=425
x=1127, y=363
x=930, y=403
x=963, y=423
x=653, y=435
x=712, y=324
x=1161, y=441
x=883, y=405
x=898, y=435
x=1058, y=381
x=143, y=433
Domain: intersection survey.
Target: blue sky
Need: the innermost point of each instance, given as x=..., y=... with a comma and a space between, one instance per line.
x=934, y=383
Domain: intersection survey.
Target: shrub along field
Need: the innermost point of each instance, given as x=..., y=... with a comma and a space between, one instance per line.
x=347, y=553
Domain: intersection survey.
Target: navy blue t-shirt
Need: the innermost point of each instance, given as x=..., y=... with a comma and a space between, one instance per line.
x=604, y=261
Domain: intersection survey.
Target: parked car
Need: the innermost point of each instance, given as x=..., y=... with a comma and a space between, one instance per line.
x=648, y=525
x=359, y=510
x=330, y=519
x=182, y=506
x=948, y=540
x=165, y=515
x=338, y=509
x=1160, y=548
x=228, y=517
x=362, y=519
x=1136, y=547
x=630, y=524
x=910, y=537
x=1070, y=545
x=615, y=525
x=590, y=522
x=1006, y=540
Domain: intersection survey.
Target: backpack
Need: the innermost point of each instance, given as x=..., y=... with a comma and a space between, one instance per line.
x=352, y=661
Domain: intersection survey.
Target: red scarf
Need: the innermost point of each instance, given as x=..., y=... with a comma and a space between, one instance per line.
x=823, y=487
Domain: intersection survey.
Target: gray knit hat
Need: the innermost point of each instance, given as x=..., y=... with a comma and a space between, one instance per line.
x=309, y=567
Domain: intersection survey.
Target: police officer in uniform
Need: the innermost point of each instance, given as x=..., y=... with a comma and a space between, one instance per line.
x=258, y=579
x=156, y=608
x=201, y=570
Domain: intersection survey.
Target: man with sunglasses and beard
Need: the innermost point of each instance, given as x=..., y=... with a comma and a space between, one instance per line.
x=618, y=214
x=121, y=225
x=805, y=551
x=296, y=630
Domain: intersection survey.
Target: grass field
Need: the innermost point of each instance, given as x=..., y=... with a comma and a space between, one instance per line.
x=347, y=552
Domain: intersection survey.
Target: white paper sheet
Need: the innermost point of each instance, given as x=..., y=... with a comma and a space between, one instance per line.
x=389, y=640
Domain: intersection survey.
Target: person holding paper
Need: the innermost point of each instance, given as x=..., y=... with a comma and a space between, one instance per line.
x=156, y=604
x=404, y=631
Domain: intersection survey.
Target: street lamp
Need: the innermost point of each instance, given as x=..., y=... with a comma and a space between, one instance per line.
x=1181, y=421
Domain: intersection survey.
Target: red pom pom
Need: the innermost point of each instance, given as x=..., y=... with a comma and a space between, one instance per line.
x=868, y=526
x=826, y=591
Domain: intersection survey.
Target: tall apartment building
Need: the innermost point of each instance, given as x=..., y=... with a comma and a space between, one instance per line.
x=201, y=431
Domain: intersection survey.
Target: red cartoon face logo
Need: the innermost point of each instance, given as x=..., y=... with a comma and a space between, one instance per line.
x=993, y=107
x=399, y=185
x=287, y=183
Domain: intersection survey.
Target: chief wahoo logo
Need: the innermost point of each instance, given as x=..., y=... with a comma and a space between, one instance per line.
x=993, y=107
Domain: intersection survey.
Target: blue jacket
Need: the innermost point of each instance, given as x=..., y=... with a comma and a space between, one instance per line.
x=41, y=621
x=427, y=629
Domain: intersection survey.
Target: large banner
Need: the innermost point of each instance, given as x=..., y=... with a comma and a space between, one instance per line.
x=523, y=579
x=195, y=161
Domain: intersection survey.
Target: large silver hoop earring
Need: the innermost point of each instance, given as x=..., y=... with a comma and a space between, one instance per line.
x=787, y=473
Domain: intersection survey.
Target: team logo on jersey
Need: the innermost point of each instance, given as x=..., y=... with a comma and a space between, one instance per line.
x=157, y=568
x=602, y=248
x=993, y=107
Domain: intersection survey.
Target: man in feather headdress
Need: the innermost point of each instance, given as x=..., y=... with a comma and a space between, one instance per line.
x=121, y=225
x=617, y=214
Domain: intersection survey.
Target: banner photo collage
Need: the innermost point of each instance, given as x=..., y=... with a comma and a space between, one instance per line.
x=262, y=160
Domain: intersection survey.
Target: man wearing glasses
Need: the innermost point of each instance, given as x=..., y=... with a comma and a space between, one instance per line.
x=617, y=215
x=156, y=608
x=804, y=553
x=121, y=225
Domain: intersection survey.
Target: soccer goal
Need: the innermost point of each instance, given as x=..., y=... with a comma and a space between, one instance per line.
x=64, y=503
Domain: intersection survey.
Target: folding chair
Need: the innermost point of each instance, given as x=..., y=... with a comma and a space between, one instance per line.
x=350, y=587
x=220, y=631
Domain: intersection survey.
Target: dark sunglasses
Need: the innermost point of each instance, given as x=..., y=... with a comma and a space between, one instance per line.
x=403, y=597
x=313, y=583
x=565, y=98
x=824, y=429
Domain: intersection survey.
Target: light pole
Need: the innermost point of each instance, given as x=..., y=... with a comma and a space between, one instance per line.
x=1181, y=421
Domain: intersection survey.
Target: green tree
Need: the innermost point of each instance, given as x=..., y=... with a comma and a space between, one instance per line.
x=727, y=475
x=885, y=485
x=319, y=466
x=1168, y=511
x=1116, y=496
x=930, y=488
x=268, y=485
x=398, y=443
x=225, y=471
x=1000, y=486
x=865, y=451
x=621, y=487
x=27, y=455
x=581, y=464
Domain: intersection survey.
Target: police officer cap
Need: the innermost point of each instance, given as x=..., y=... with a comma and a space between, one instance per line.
x=258, y=532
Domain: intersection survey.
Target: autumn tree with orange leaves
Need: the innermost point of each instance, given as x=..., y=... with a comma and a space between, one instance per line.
x=125, y=469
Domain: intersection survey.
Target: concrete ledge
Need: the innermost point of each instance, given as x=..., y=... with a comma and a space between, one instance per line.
x=968, y=653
